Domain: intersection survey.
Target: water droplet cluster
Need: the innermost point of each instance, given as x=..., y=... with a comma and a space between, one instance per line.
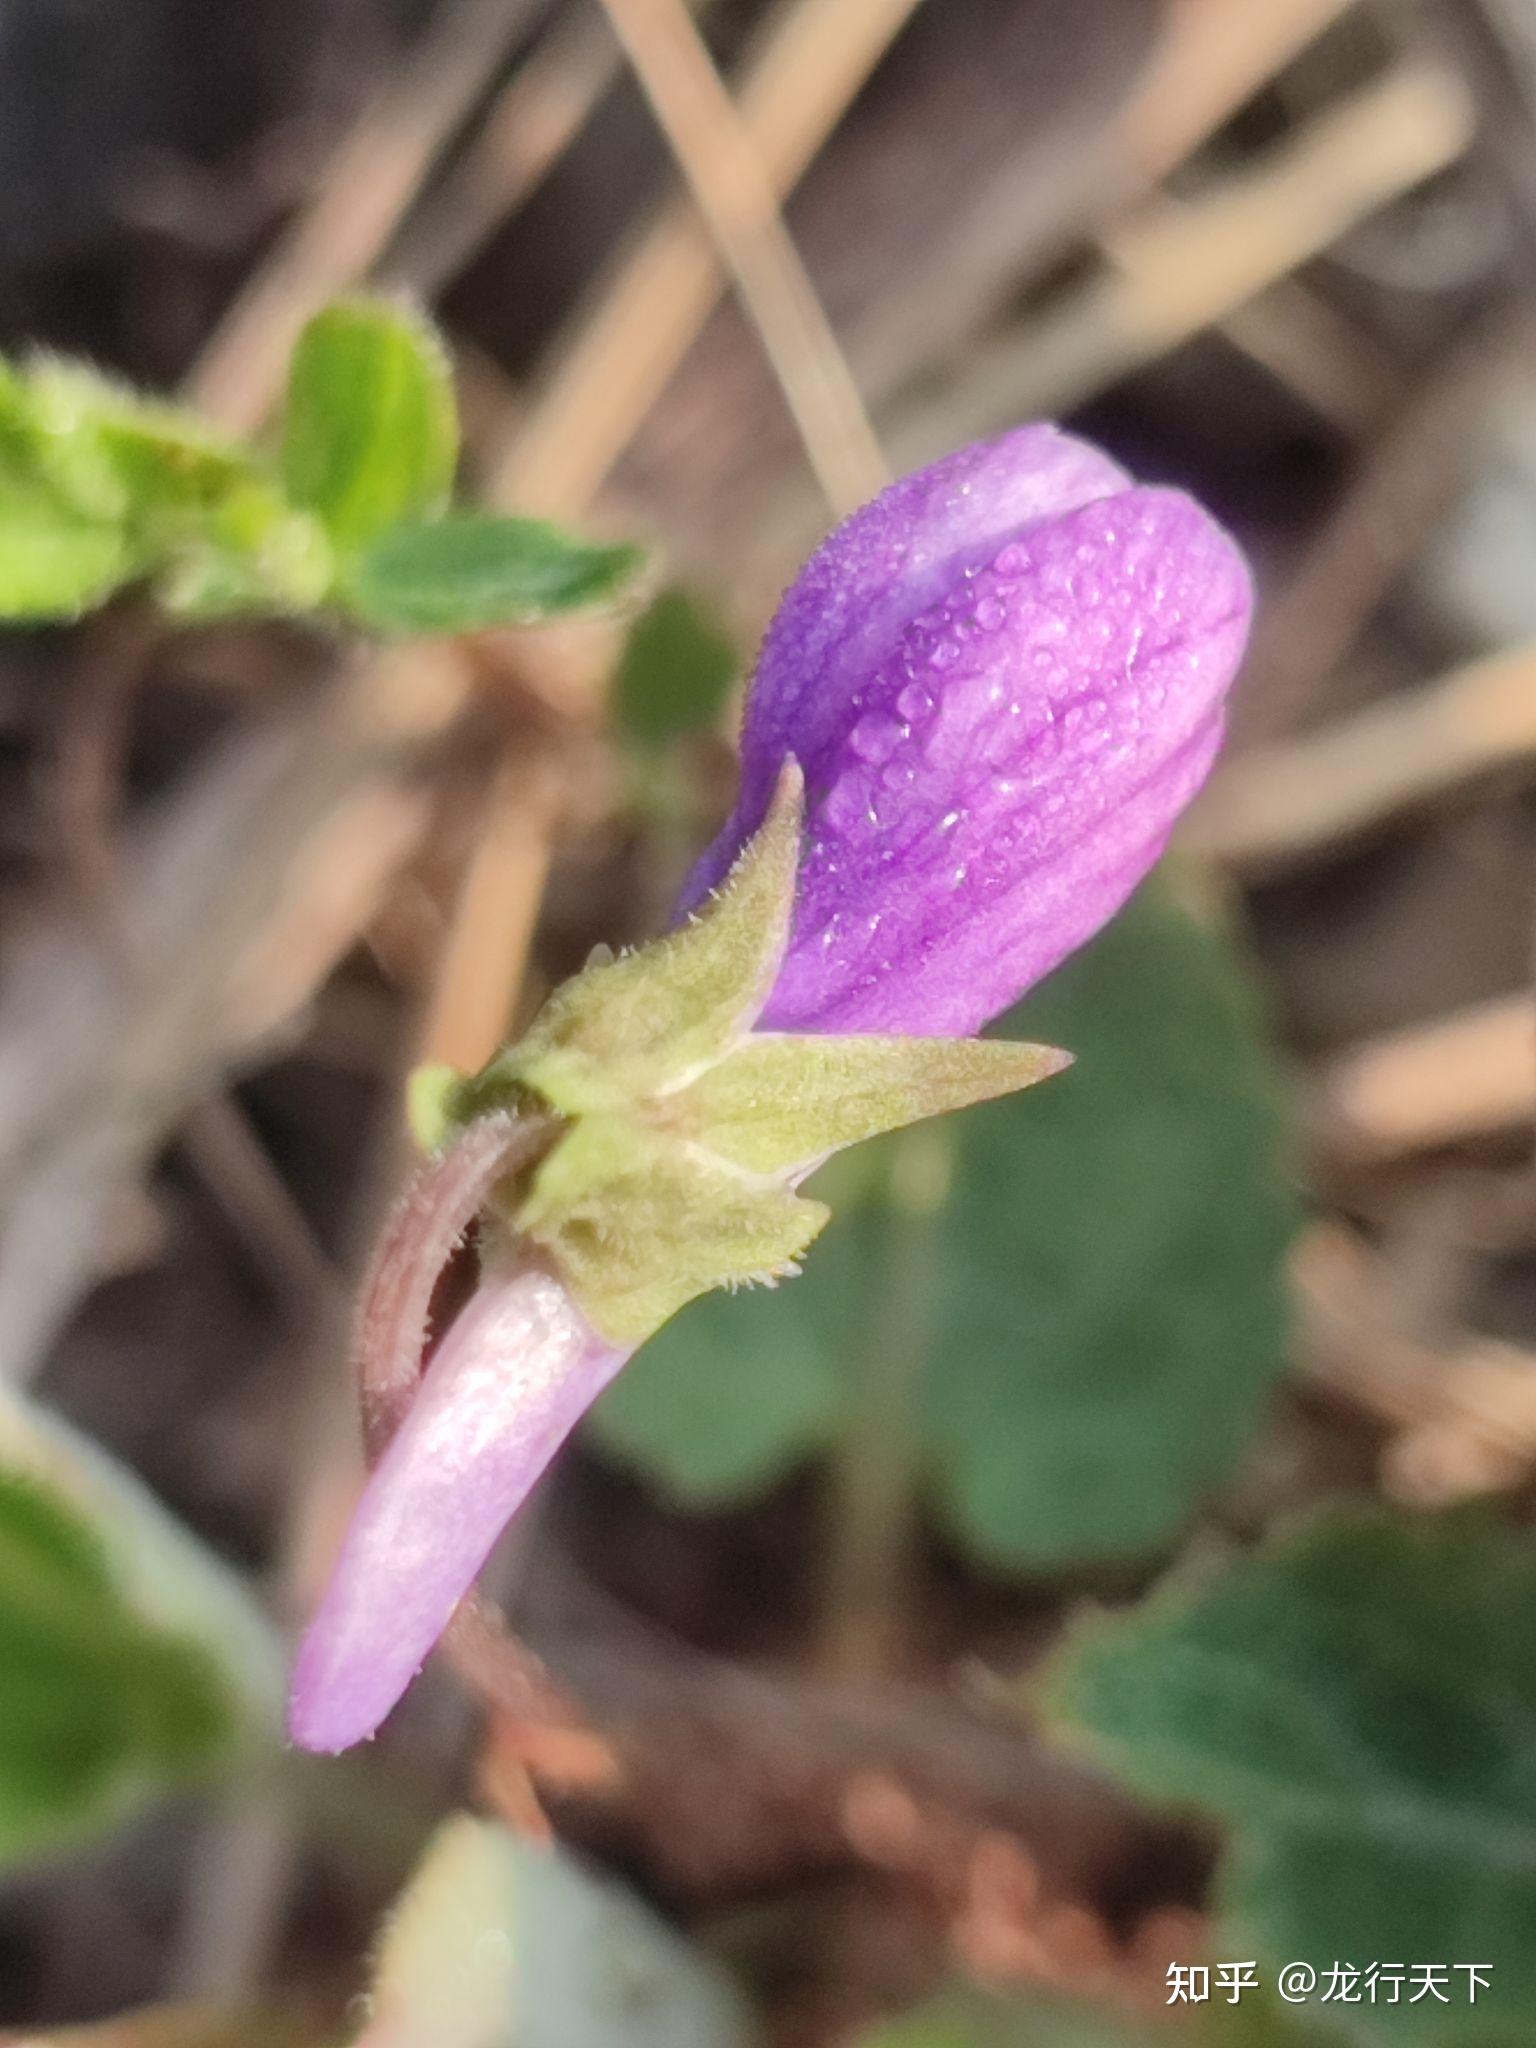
x=1002, y=722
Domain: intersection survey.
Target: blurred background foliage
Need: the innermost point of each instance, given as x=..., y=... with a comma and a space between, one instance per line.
x=1112, y=1558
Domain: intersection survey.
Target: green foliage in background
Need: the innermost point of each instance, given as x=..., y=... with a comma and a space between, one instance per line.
x=96, y=1702
x=101, y=487
x=371, y=433
x=1106, y=1317
x=1358, y=1703
x=975, y=2019
x=675, y=673
x=130, y=1661
x=500, y=1940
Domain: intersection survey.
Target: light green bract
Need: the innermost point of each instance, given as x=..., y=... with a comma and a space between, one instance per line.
x=684, y=1132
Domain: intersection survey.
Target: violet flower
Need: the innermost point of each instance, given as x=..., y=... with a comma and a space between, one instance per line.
x=1003, y=680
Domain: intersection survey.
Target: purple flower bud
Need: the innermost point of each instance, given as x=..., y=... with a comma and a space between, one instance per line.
x=1004, y=680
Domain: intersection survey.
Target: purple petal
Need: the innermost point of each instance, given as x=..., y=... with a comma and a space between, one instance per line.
x=992, y=763
x=905, y=550
x=513, y=1375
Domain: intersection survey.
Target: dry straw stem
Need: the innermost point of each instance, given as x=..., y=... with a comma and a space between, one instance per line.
x=537, y=116
x=1463, y=1412
x=1403, y=484
x=483, y=956
x=238, y=898
x=812, y=58
x=1319, y=352
x=359, y=201
x=1177, y=266
x=1466, y=1076
x=1212, y=56
x=1298, y=798
x=736, y=196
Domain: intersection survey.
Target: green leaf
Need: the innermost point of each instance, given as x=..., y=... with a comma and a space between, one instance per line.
x=499, y=1940
x=105, y=485
x=472, y=570
x=92, y=1701
x=371, y=436
x=727, y=1399
x=121, y=456
x=676, y=671
x=1114, y=1257
x=974, y=2019
x=128, y=1660
x=1358, y=1702
x=1110, y=1264
x=54, y=562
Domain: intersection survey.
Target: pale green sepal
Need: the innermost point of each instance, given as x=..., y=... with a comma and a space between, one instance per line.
x=781, y=1102
x=640, y=1224
x=649, y=1021
x=429, y=1093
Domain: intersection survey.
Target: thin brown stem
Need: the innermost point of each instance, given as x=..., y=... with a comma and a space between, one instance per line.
x=736, y=196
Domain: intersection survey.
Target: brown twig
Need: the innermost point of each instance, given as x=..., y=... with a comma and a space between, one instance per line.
x=1409, y=474
x=1213, y=55
x=490, y=930
x=1317, y=351
x=1466, y=1076
x=1463, y=1412
x=737, y=197
x=812, y=57
x=1298, y=798
x=539, y=113
x=1177, y=266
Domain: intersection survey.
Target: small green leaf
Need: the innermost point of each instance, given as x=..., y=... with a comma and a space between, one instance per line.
x=245, y=566
x=371, y=436
x=500, y=1940
x=472, y=570
x=780, y=1102
x=148, y=490
x=429, y=1095
x=677, y=668
x=1358, y=1702
x=627, y=1028
x=121, y=456
x=54, y=562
